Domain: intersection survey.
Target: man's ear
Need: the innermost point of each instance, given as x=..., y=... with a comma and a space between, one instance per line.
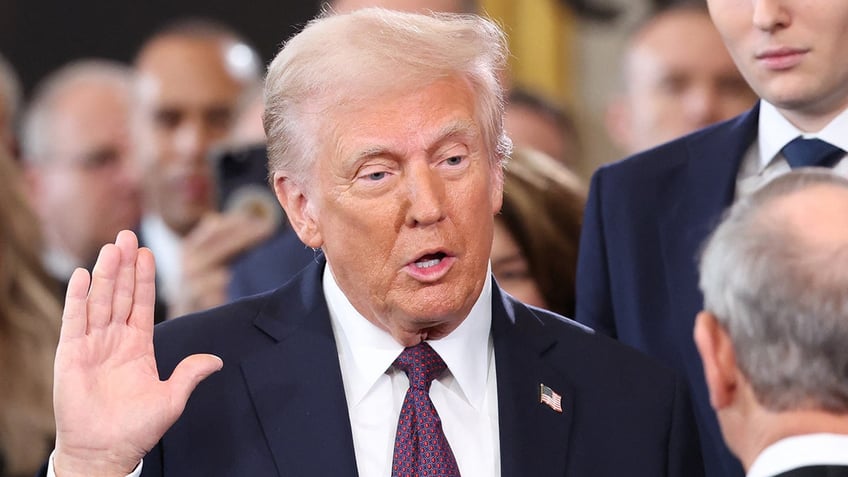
x=299, y=210
x=718, y=358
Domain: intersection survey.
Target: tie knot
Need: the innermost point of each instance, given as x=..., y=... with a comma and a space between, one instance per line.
x=802, y=152
x=421, y=364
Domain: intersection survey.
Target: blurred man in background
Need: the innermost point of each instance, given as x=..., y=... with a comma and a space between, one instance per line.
x=676, y=77
x=192, y=75
x=76, y=149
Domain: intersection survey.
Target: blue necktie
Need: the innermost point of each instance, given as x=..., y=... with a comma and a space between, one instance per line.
x=802, y=152
x=421, y=448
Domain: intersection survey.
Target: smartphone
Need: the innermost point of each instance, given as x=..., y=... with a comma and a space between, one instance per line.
x=242, y=181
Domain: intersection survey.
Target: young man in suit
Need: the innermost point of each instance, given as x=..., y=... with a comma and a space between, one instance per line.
x=772, y=336
x=647, y=216
x=386, y=147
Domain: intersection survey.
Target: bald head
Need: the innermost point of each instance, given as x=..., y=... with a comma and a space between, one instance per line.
x=772, y=336
x=775, y=274
x=677, y=77
x=191, y=79
x=817, y=216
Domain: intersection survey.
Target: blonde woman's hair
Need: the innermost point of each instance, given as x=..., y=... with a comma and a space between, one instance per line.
x=29, y=328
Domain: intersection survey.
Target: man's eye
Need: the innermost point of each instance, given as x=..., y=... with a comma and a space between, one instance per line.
x=167, y=119
x=454, y=161
x=376, y=176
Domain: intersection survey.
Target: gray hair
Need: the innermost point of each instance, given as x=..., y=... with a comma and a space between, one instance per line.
x=36, y=127
x=10, y=93
x=346, y=59
x=782, y=299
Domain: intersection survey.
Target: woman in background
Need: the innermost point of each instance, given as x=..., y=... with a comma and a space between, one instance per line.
x=29, y=331
x=534, y=254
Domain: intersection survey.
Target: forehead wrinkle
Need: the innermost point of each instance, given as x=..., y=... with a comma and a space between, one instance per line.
x=463, y=129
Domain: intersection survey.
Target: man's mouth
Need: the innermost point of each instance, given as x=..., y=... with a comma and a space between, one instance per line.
x=429, y=260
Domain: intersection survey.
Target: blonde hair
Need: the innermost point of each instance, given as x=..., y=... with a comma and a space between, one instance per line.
x=29, y=329
x=347, y=59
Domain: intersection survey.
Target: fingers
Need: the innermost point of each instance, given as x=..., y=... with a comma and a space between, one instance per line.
x=74, y=316
x=144, y=294
x=103, y=279
x=188, y=374
x=125, y=282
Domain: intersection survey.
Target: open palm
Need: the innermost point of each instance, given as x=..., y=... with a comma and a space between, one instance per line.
x=111, y=407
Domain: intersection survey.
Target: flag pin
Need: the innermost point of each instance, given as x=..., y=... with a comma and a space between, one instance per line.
x=550, y=397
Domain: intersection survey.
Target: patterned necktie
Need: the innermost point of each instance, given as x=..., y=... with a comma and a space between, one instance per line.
x=802, y=152
x=421, y=448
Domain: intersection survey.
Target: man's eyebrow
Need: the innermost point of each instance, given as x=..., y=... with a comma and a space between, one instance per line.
x=459, y=128
x=464, y=128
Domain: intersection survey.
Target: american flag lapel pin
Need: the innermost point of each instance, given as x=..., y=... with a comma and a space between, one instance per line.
x=550, y=397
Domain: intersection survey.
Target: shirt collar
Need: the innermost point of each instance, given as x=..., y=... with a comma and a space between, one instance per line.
x=775, y=131
x=60, y=265
x=800, y=451
x=166, y=246
x=366, y=351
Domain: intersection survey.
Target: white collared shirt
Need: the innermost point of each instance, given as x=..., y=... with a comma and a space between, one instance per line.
x=764, y=161
x=60, y=265
x=465, y=396
x=166, y=246
x=800, y=451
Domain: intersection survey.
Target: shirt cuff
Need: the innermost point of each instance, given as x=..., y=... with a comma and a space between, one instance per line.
x=52, y=473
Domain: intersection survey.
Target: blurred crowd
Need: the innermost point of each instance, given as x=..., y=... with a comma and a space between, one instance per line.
x=171, y=146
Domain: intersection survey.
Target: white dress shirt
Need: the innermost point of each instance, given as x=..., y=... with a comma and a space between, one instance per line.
x=764, y=161
x=465, y=396
x=800, y=451
x=167, y=250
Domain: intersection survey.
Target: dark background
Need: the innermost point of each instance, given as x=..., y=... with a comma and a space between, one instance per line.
x=38, y=36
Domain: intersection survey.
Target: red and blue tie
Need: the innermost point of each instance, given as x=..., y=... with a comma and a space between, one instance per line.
x=421, y=448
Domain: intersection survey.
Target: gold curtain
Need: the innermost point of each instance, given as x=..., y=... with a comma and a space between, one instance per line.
x=541, y=39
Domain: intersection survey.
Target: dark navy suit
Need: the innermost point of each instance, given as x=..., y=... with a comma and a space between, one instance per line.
x=270, y=264
x=278, y=406
x=645, y=222
x=817, y=471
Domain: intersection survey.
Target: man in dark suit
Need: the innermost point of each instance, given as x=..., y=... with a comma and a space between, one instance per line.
x=772, y=335
x=647, y=216
x=386, y=148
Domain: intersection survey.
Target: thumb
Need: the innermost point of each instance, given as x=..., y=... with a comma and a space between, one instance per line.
x=190, y=372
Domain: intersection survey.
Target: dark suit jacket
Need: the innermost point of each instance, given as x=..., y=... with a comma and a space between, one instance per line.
x=270, y=264
x=817, y=471
x=278, y=407
x=645, y=221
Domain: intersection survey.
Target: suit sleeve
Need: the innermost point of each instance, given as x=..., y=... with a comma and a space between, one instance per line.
x=594, y=300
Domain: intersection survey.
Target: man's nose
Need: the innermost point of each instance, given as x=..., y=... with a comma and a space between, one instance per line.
x=426, y=196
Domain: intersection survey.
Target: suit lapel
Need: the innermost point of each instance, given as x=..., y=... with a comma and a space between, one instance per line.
x=698, y=192
x=296, y=385
x=533, y=436
x=703, y=187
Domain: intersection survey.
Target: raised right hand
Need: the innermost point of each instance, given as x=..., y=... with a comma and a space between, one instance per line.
x=111, y=407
